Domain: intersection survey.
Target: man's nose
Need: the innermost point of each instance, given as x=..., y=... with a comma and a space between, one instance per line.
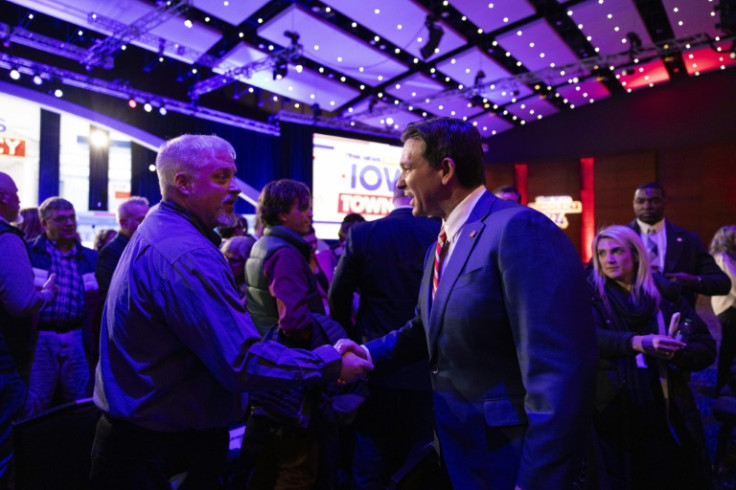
x=234, y=188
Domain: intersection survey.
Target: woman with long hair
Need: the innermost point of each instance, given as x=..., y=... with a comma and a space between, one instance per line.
x=648, y=430
x=723, y=250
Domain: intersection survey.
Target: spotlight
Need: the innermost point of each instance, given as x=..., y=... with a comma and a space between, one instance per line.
x=372, y=103
x=435, y=35
x=477, y=101
x=132, y=103
x=293, y=36
x=15, y=74
x=58, y=93
x=479, y=77
x=316, y=111
x=37, y=80
x=634, y=44
x=280, y=69
x=162, y=110
x=147, y=107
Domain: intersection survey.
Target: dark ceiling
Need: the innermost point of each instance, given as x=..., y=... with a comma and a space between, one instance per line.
x=365, y=65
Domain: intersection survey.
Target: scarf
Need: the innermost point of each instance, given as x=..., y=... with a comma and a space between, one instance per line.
x=639, y=316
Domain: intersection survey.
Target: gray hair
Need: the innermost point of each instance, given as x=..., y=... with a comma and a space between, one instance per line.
x=187, y=153
x=54, y=203
x=131, y=201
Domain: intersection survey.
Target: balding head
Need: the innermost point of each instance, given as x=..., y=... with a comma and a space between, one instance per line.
x=9, y=202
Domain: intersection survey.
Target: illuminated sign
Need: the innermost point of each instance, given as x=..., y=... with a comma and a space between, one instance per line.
x=351, y=176
x=13, y=147
x=557, y=208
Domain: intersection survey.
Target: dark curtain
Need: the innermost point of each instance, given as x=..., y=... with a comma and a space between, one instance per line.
x=99, y=163
x=296, y=152
x=143, y=181
x=48, y=172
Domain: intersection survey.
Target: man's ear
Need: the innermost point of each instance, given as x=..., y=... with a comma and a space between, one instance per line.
x=181, y=182
x=447, y=170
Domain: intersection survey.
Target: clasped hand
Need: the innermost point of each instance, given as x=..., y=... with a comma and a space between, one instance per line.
x=355, y=362
x=661, y=346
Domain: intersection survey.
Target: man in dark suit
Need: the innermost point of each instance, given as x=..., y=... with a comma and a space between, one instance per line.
x=130, y=215
x=383, y=261
x=508, y=333
x=675, y=252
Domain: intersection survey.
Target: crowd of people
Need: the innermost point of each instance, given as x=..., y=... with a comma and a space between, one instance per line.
x=457, y=342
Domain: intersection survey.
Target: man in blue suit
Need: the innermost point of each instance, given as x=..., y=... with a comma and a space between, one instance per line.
x=508, y=334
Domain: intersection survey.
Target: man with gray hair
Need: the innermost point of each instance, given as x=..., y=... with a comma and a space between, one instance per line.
x=178, y=349
x=60, y=358
x=130, y=215
x=19, y=304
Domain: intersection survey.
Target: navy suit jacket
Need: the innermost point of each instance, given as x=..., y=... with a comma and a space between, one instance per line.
x=383, y=260
x=686, y=253
x=512, y=351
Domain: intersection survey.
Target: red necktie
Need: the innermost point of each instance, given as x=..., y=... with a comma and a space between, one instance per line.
x=441, y=240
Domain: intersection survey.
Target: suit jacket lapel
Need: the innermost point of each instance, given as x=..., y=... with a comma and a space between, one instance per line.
x=674, y=248
x=466, y=241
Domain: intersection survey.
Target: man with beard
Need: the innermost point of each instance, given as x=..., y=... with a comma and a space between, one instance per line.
x=177, y=347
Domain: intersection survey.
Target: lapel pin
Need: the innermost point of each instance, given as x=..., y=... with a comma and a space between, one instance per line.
x=472, y=234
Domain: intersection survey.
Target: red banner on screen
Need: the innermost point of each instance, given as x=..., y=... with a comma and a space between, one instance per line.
x=12, y=147
x=364, y=204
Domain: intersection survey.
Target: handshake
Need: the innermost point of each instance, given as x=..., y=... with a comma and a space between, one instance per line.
x=356, y=362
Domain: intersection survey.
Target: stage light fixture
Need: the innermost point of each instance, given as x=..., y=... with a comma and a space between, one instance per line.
x=435, y=36
x=37, y=80
x=132, y=103
x=58, y=93
x=280, y=69
x=147, y=107
x=14, y=74
x=316, y=111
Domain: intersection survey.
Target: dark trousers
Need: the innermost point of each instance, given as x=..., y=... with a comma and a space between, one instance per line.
x=727, y=351
x=12, y=398
x=391, y=427
x=125, y=456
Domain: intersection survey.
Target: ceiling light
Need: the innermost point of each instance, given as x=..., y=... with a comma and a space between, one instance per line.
x=435, y=35
x=147, y=107
x=15, y=74
x=58, y=93
x=132, y=103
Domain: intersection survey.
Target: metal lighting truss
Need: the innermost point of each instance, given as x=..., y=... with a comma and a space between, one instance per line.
x=123, y=34
x=20, y=35
x=290, y=54
x=125, y=91
x=554, y=77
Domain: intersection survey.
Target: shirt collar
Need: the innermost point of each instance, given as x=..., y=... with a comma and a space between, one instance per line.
x=461, y=213
x=210, y=234
x=655, y=228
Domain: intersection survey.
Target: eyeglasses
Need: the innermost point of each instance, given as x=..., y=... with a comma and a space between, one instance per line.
x=60, y=220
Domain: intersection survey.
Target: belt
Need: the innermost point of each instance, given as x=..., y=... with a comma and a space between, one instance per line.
x=60, y=327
